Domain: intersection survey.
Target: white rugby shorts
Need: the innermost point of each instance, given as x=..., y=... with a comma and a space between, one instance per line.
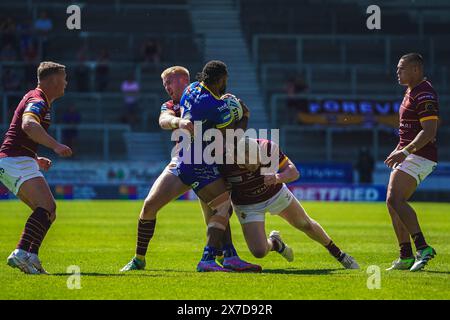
x=256, y=212
x=14, y=171
x=172, y=167
x=417, y=167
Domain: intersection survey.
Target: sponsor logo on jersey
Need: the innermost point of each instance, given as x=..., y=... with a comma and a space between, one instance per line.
x=34, y=107
x=430, y=107
x=426, y=96
x=195, y=185
x=223, y=107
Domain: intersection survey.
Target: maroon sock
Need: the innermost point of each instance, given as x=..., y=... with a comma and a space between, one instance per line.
x=419, y=241
x=34, y=248
x=406, y=250
x=35, y=230
x=334, y=250
x=146, y=228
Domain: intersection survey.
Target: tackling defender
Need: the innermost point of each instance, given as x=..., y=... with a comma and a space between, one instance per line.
x=414, y=158
x=254, y=194
x=19, y=163
x=168, y=185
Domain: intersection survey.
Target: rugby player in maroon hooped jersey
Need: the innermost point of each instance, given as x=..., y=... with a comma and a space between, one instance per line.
x=414, y=158
x=168, y=185
x=253, y=194
x=20, y=165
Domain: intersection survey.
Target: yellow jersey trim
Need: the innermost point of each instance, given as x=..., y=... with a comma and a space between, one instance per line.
x=33, y=115
x=283, y=162
x=223, y=125
x=429, y=118
x=204, y=86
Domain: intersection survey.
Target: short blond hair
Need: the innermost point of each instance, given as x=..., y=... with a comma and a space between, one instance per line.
x=47, y=68
x=178, y=70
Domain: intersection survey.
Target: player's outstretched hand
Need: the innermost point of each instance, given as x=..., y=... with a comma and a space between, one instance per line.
x=187, y=125
x=63, y=150
x=44, y=163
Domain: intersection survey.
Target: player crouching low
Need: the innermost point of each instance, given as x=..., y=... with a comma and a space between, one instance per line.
x=254, y=194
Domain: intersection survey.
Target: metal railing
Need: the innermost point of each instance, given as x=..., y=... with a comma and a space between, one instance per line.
x=151, y=101
x=330, y=150
x=103, y=129
x=345, y=42
x=354, y=71
x=35, y=6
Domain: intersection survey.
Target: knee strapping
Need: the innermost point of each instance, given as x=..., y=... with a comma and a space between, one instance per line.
x=221, y=206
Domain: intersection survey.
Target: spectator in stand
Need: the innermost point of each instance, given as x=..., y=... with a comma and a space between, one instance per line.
x=130, y=89
x=8, y=53
x=11, y=80
x=296, y=85
x=151, y=52
x=26, y=34
x=43, y=26
x=30, y=56
x=82, y=71
x=71, y=117
x=8, y=31
x=102, y=71
x=365, y=166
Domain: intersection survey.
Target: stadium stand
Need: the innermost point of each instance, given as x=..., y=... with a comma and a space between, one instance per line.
x=324, y=43
x=327, y=45
x=109, y=47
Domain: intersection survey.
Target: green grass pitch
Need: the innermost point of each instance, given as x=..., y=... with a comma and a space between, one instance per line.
x=99, y=237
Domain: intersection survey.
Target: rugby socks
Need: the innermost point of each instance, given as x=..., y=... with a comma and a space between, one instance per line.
x=209, y=253
x=419, y=241
x=334, y=250
x=406, y=250
x=146, y=228
x=35, y=230
x=229, y=251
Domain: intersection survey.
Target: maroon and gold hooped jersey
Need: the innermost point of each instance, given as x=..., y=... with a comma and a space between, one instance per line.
x=420, y=104
x=17, y=143
x=170, y=105
x=249, y=187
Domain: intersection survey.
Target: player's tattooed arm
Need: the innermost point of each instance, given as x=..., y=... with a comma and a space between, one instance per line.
x=37, y=133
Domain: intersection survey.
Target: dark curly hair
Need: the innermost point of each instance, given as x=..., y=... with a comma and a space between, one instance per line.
x=212, y=72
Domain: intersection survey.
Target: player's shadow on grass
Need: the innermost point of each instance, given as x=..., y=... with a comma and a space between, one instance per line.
x=438, y=272
x=98, y=274
x=301, y=271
